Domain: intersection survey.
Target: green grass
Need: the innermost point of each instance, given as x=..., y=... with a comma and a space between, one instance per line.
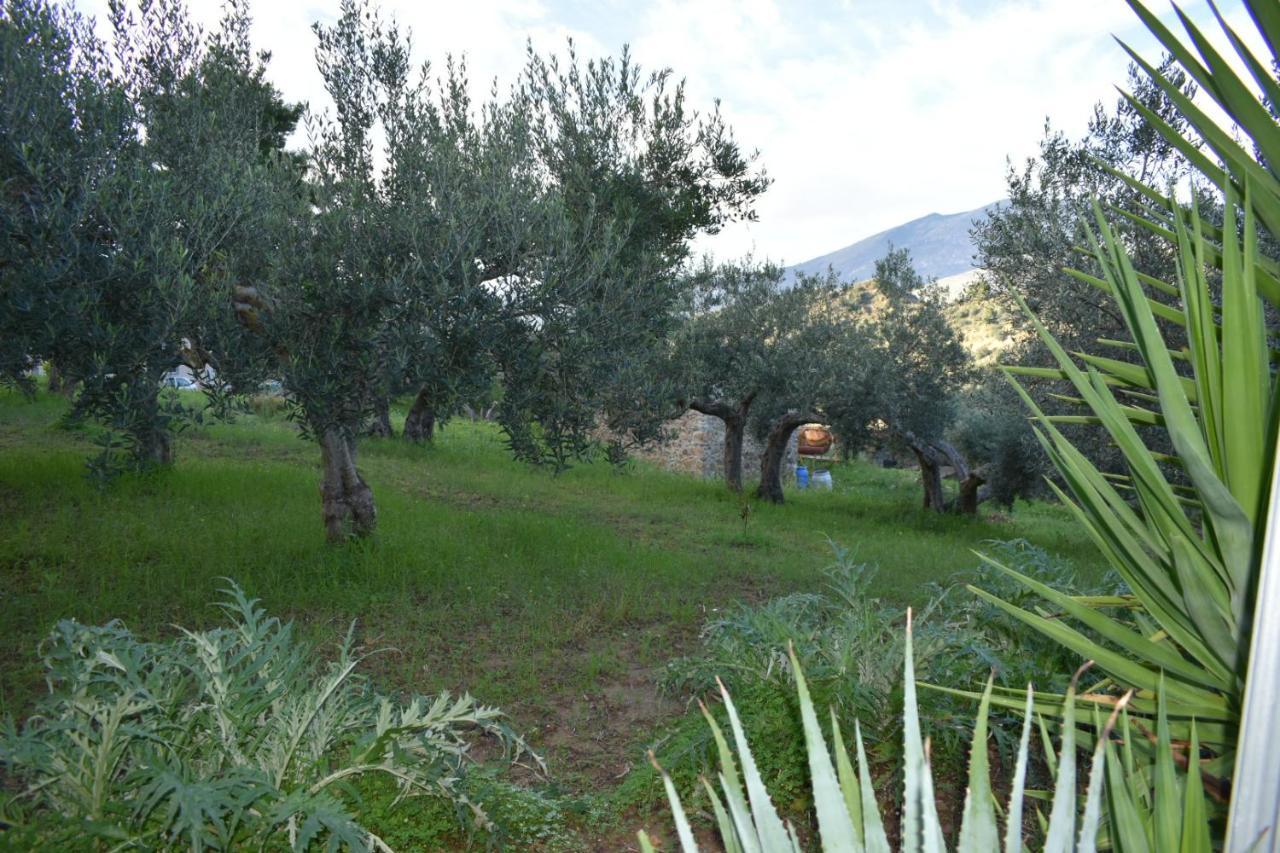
x=554, y=597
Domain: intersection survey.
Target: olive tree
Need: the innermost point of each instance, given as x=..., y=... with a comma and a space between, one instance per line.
x=1000, y=457
x=631, y=158
x=133, y=187
x=62, y=120
x=891, y=371
x=516, y=240
x=805, y=331
x=721, y=356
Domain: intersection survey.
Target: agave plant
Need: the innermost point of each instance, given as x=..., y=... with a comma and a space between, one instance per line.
x=1189, y=546
x=221, y=739
x=847, y=805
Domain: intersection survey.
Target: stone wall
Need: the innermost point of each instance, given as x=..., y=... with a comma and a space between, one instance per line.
x=696, y=447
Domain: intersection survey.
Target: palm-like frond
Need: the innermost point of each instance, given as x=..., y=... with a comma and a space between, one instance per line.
x=1188, y=546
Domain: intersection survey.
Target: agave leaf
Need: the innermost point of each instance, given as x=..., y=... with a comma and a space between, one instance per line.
x=683, y=831
x=743, y=824
x=1245, y=367
x=1266, y=270
x=978, y=829
x=834, y=825
x=1157, y=654
x=1195, y=700
x=919, y=815
x=1240, y=162
x=728, y=831
x=1161, y=310
x=1195, y=818
x=874, y=839
x=727, y=767
x=772, y=833
x=1261, y=73
x=1013, y=829
x=1167, y=805
x=1062, y=815
x=1126, y=822
x=1232, y=530
x=849, y=786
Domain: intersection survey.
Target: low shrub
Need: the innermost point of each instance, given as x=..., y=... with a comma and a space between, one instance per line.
x=234, y=737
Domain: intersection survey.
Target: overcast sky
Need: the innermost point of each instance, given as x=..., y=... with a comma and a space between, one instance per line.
x=866, y=113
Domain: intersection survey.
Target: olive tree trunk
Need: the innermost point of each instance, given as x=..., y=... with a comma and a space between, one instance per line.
x=931, y=478
x=154, y=447
x=931, y=460
x=775, y=449
x=970, y=480
x=735, y=428
x=55, y=377
x=973, y=492
x=380, y=426
x=346, y=499
x=420, y=423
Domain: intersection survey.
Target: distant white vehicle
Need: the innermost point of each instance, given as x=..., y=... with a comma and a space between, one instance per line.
x=180, y=382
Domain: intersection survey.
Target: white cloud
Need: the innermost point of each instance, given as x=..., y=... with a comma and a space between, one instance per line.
x=866, y=112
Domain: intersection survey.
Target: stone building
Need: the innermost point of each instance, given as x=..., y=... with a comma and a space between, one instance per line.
x=696, y=447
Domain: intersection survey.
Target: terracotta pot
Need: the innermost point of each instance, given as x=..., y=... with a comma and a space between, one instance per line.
x=814, y=440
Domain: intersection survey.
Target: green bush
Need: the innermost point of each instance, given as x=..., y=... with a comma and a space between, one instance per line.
x=233, y=737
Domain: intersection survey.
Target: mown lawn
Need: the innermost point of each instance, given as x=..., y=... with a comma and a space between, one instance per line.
x=553, y=597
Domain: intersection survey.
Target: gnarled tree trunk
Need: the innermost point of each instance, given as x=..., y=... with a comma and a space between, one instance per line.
x=970, y=480
x=380, y=426
x=932, y=456
x=420, y=423
x=931, y=460
x=931, y=478
x=346, y=499
x=775, y=449
x=735, y=428
x=972, y=493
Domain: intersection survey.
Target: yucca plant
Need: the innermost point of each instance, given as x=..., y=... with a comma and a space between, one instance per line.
x=1189, y=546
x=847, y=805
x=221, y=739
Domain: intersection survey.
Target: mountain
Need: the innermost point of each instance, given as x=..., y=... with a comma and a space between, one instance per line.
x=939, y=244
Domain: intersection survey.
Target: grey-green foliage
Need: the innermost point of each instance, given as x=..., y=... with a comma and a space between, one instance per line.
x=744, y=337
x=238, y=736
x=637, y=173
x=60, y=125
x=993, y=433
x=134, y=191
x=890, y=371
x=529, y=239
x=848, y=807
x=922, y=363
